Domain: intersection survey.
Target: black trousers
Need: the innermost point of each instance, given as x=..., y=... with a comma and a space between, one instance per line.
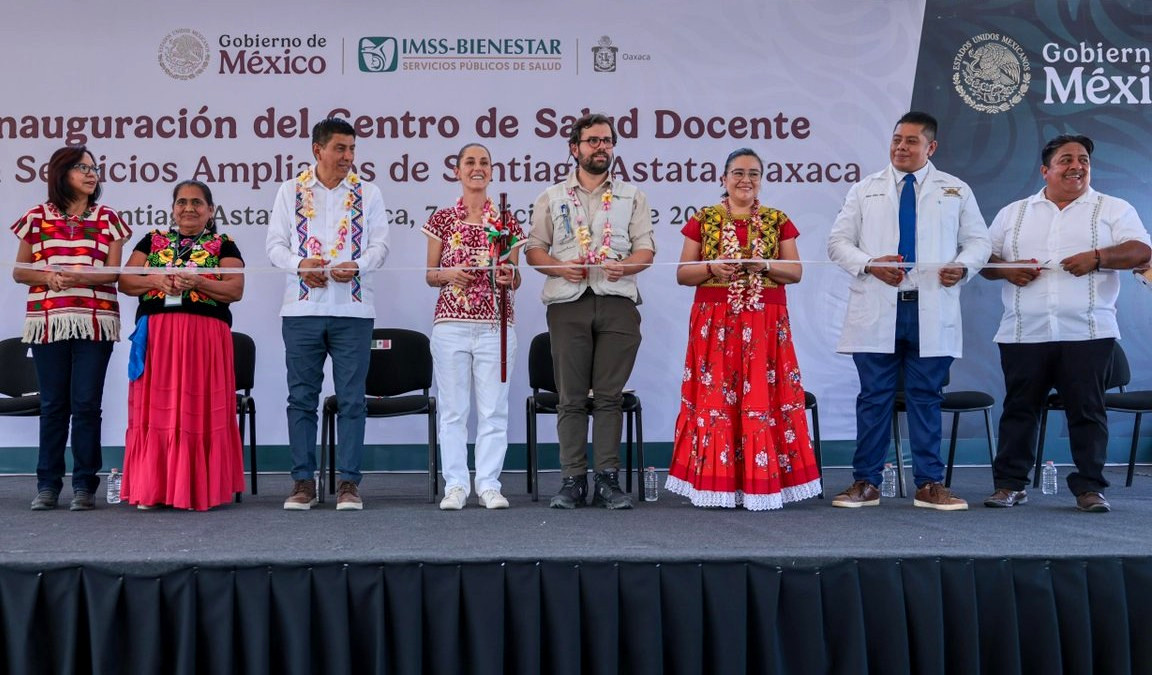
x=1079, y=372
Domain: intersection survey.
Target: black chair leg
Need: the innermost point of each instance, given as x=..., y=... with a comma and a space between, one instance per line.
x=252, y=446
x=991, y=439
x=1040, y=448
x=899, y=454
x=533, y=450
x=527, y=447
x=952, y=450
x=1132, y=454
x=332, y=457
x=432, y=463
x=628, y=457
x=640, y=447
x=322, y=455
x=816, y=448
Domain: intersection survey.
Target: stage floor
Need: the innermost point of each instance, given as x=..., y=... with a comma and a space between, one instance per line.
x=397, y=525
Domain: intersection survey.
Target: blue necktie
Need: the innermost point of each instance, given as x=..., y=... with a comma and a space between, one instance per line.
x=907, y=246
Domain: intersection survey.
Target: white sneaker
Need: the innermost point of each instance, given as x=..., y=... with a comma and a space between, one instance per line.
x=492, y=499
x=454, y=499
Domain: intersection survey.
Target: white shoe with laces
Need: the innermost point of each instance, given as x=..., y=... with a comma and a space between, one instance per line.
x=492, y=499
x=454, y=499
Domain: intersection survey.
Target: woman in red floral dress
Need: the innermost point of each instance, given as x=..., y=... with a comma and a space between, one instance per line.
x=183, y=447
x=742, y=436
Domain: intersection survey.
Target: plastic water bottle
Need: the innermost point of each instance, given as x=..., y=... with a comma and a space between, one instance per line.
x=651, y=488
x=1048, y=478
x=888, y=482
x=114, y=477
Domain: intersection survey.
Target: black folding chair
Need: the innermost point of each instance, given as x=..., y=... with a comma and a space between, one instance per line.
x=544, y=401
x=244, y=363
x=401, y=362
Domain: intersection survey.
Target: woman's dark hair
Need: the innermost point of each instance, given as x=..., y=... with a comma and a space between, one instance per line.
x=60, y=193
x=460, y=155
x=737, y=154
x=204, y=189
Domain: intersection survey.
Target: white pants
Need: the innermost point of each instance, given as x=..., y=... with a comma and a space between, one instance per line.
x=465, y=356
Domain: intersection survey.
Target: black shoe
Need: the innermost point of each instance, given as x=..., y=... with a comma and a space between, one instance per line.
x=573, y=493
x=608, y=493
x=82, y=500
x=46, y=500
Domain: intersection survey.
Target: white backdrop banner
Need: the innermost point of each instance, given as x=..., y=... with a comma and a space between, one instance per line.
x=227, y=94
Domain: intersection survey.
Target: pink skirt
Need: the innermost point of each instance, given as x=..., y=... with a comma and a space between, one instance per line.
x=183, y=443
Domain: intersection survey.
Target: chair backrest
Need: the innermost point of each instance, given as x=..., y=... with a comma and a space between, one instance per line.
x=1119, y=373
x=244, y=360
x=402, y=363
x=540, y=374
x=17, y=369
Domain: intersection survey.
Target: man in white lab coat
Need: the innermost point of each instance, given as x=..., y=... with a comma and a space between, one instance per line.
x=910, y=235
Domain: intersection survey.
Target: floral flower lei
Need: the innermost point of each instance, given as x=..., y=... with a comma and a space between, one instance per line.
x=746, y=287
x=308, y=209
x=584, y=234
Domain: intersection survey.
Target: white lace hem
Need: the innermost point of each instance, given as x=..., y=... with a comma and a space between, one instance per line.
x=730, y=500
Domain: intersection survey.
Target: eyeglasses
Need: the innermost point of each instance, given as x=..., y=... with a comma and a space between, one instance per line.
x=87, y=168
x=595, y=141
x=741, y=174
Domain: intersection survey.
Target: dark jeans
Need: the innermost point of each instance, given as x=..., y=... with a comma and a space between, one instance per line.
x=71, y=374
x=1078, y=371
x=308, y=341
x=924, y=378
x=595, y=339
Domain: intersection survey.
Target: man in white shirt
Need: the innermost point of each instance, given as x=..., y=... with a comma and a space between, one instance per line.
x=1059, y=323
x=330, y=229
x=904, y=318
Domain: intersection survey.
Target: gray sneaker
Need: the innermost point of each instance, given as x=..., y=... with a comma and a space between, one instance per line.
x=46, y=500
x=82, y=500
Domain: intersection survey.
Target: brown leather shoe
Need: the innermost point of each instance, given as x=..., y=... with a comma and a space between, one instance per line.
x=348, y=497
x=1093, y=502
x=936, y=496
x=860, y=493
x=303, y=496
x=1003, y=498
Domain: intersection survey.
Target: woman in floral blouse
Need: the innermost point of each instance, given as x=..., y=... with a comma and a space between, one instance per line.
x=462, y=241
x=741, y=438
x=183, y=443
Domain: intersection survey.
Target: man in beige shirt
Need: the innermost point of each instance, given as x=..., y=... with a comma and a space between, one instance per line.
x=591, y=235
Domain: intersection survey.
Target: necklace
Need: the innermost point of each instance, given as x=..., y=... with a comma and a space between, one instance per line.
x=746, y=288
x=311, y=246
x=73, y=221
x=186, y=243
x=584, y=234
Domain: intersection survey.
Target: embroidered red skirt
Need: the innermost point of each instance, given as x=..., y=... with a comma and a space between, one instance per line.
x=183, y=444
x=742, y=435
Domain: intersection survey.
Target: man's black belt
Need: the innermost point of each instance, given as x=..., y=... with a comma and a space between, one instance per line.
x=908, y=296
